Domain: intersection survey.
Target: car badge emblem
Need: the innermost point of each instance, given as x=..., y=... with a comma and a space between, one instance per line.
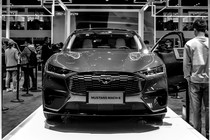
x=106, y=80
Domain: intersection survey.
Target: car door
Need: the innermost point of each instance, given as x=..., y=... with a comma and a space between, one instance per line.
x=170, y=49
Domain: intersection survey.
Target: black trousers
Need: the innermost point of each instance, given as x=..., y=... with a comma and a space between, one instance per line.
x=28, y=72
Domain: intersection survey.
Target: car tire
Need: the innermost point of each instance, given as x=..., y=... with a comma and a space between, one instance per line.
x=52, y=117
x=157, y=118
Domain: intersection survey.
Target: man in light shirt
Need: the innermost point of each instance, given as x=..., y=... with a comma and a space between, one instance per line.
x=196, y=71
x=11, y=60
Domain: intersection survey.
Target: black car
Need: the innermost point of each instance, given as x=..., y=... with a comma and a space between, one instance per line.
x=105, y=72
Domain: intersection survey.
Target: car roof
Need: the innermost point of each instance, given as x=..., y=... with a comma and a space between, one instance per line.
x=103, y=31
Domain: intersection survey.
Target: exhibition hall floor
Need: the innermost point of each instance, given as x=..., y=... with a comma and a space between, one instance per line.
x=36, y=127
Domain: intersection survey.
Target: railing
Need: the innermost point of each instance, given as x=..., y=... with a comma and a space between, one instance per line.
x=18, y=66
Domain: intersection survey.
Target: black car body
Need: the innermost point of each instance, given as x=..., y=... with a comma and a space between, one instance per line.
x=105, y=72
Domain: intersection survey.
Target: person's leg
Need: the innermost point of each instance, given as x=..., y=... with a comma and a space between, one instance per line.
x=14, y=79
x=31, y=74
x=206, y=104
x=27, y=78
x=8, y=78
x=24, y=78
x=196, y=102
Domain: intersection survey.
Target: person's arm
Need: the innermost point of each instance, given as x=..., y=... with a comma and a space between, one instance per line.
x=5, y=57
x=187, y=63
x=26, y=52
x=16, y=55
x=32, y=48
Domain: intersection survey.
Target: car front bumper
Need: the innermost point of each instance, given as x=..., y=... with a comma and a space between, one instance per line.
x=58, y=99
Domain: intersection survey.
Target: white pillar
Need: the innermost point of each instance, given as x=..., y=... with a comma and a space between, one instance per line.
x=180, y=12
x=155, y=25
x=26, y=19
x=209, y=19
x=67, y=24
x=52, y=22
x=141, y=24
x=8, y=20
x=52, y=30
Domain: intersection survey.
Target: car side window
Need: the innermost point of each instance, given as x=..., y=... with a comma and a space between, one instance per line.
x=165, y=46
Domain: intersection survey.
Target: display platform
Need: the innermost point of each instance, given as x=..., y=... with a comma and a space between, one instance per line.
x=35, y=127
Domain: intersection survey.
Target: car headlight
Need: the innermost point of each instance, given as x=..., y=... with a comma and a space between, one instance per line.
x=152, y=71
x=58, y=70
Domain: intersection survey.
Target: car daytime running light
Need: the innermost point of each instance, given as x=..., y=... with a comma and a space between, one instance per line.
x=58, y=70
x=152, y=71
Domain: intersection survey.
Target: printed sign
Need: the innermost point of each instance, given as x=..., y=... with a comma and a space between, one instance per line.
x=105, y=97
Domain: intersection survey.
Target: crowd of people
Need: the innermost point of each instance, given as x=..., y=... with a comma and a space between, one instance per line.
x=12, y=56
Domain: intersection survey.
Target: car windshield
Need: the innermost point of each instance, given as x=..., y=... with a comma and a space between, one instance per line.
x=104, y=40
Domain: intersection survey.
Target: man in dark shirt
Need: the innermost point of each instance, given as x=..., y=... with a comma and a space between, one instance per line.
x=46, y=50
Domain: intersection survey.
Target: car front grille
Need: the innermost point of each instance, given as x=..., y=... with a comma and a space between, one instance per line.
x=129, y=83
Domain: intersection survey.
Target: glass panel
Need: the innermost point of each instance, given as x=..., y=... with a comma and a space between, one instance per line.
x=194, y=3
x=124, y=20
x=188, y=21
x=39, y=23
x=16, y=22
x=167, y=20
x=36, y=22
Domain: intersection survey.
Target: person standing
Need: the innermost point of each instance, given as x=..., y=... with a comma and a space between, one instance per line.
x=196, y=72
x=11, y=59
x=46, y=50
x=28, y=70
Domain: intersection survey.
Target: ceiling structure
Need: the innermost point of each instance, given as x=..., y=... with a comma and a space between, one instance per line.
x=50, y=6
x=171, y=2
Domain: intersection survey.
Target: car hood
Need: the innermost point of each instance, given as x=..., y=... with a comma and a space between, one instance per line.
x=98, y=60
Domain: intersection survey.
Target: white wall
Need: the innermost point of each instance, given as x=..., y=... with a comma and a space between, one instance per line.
x=28, y=33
